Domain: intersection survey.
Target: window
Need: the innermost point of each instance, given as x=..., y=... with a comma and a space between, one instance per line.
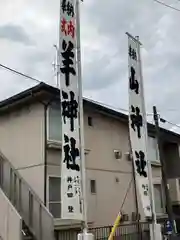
x=158, y=197
x=153, y=150
x=93, y=186
x=55, y=196
x=90, y=122
x=54, y=123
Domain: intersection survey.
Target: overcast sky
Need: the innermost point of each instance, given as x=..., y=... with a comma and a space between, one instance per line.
x=29, y=28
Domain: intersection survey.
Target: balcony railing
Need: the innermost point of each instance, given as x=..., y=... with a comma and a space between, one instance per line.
x=35, y=215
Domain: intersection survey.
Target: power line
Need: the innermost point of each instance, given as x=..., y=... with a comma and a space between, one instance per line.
x=166, y=5
x=19, y=73
x=112, y=107
x=166, y=121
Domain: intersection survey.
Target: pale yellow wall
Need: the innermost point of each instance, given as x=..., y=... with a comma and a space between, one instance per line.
x=22, y=142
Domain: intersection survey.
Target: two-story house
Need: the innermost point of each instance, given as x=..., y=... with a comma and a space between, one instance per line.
x=30, y=164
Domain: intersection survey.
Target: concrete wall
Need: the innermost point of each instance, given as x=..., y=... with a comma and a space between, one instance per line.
x=22, y=142
x=112, y=176
x=174, y=189
x=10, y=220
x=171, y=154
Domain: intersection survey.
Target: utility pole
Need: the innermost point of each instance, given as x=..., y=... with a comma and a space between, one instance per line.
x=164, y=171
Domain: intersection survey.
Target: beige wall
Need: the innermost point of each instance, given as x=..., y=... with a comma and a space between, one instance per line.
x=105, y=136
x=10, y=220
x=26, y=152
x=22, y=142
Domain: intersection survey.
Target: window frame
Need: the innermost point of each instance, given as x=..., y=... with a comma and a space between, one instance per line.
x=95, y=192
x=157, y=160
x=48, y=128
x=51, y=202
x=158, y=181
x=90, y=120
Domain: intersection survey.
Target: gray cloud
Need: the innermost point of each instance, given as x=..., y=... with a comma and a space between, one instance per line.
x=15, y=33
x=104, y=48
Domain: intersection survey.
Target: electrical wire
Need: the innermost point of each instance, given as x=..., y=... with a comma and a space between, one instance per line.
x=20, y=73
x=103, y=104
x=112, y=107
x=166, y=121
x=126, y=194
x=166, y=5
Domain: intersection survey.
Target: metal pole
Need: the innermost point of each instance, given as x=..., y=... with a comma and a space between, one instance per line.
x=163, y=170
x=85, y=230
x=57, y=65
x=151, y=187
x=135, y=190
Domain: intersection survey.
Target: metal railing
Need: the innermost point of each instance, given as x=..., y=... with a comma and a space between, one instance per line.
x=124, y=232
x=129, y=231
x=35, y=215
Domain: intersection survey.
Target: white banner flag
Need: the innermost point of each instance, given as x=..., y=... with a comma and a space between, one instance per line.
x=137, y=124
x=71, y=192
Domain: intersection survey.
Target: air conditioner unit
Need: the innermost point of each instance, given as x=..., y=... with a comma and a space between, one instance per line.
x=128, y=156
x=117, y=154
x=135, y=216
x=124, y=217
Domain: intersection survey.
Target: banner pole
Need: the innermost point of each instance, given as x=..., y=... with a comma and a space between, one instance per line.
x=82, y=153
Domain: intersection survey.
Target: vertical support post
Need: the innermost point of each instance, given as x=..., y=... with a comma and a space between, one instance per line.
x=15, y=199
x=151, y=186
x=135, y=190
x=40, y=222
x=164, y=170
x=30, y=209
x=81, y=117
x=11, y=184
x=1, y=172
x=20, y=196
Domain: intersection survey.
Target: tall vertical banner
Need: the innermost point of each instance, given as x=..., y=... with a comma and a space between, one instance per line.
x=137, y=124
x=71, y=190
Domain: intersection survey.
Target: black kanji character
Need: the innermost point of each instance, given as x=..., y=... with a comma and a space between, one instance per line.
x=145, y=189
x=133, y=83
x=140, y=163
x=71, y=153
x=132, y=53
x=69, y=179
x=77, y=191
x=69, y=108
x=68, y=56
x=77, y=180
x=70, y=209
x=70, y=9
x=63, y=6
x=70, y=194
x=136, y=120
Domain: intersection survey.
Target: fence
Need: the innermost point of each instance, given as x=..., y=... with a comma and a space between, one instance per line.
x=124, y=232
x=131, y=231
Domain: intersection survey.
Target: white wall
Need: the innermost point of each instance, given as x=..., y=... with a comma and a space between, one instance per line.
x=10, y=220
x=22, y=142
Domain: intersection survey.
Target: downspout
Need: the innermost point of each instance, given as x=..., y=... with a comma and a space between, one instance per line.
x=45, y=154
